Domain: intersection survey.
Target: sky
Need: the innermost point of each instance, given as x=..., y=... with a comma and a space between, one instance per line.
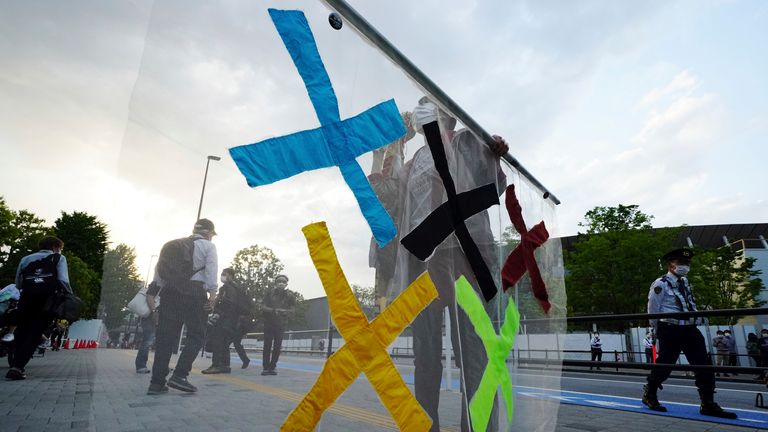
x=112, y=108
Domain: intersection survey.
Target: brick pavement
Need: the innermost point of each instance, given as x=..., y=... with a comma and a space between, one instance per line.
x=97, y=390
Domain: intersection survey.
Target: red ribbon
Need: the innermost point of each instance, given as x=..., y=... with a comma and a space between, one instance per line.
x=522, y=259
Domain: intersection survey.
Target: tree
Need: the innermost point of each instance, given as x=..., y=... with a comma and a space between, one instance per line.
x=20, y=233
x=85, y=236
x=85, y=284
x=612, y=267
x=724, y=279
x=255, y=268
x=621, y=218
x=366, y=296
x=120, y=282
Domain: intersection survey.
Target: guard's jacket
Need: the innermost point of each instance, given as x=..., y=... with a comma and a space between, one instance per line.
x=671, y=293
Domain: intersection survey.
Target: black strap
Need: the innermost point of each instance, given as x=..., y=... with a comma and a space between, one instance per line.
x=450, y=217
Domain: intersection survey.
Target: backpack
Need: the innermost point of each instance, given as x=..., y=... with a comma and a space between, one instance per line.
x=175, y=265
x=42, y=274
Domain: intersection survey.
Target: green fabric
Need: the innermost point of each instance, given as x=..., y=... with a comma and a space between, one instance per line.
x=497, y=347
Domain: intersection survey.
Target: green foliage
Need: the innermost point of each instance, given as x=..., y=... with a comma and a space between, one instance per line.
x=85, y=236
x=256, y=267
x=120, y=282
x=366, y=296
x=724, y=279
x=85, y=284
x=621, y=218
x=612, y=267
x=20, y=232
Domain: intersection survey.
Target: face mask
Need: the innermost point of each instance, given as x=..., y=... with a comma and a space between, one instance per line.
x=224, y=279
x=423, y=114
x=682, y=270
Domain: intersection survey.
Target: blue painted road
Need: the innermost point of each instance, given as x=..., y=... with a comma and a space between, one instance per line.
x=748, y=418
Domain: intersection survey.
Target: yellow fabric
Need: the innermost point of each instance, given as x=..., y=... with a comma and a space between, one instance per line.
x=366, y=344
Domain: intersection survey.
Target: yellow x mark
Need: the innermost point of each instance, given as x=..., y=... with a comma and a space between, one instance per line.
x=365, y=348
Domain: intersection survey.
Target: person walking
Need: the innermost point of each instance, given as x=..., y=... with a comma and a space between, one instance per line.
x=278, y=303
x=648, y=344
x=185, y=274
x=231, y=304
x=148, y=336
x=596, y=348
x=673, y=293
x=720, y=343
x=39, y=275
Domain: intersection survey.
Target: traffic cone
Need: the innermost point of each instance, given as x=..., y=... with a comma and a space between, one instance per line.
x=66, y=344
x=653, y=352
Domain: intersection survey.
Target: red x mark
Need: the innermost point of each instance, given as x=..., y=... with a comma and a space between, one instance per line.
x=521, y=259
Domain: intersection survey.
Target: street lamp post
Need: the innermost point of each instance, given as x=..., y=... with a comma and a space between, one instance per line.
x=205, y=178
x=149, y=270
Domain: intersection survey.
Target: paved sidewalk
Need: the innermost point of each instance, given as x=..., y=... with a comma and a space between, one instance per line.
x=98, y=390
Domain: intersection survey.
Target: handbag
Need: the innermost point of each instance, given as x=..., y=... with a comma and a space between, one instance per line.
x=63, y=304
x=138, y=304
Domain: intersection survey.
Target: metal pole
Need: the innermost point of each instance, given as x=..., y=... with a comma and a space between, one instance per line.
x=149, y=269
x=205, y=178
x=448, y=350
x=422, y=80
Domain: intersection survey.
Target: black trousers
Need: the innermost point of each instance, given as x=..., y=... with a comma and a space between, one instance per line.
x=597, y=354
x=445, y=267
x=273, y=342
x=32, y=323
x=238, y=343
x=649, y=355
x=175, y=311
x=688, y=339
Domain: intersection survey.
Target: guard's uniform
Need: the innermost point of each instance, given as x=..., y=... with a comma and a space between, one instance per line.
x=673, y=293
x=670, y=293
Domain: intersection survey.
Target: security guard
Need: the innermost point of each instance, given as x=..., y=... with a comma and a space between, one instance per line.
x=672, y=293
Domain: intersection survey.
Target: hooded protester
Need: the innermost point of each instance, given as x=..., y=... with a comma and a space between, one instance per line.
x=421, y=191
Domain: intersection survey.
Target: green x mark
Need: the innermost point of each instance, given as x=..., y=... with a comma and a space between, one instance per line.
x=497, y=348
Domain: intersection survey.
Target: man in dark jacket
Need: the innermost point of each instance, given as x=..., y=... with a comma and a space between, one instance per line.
x=231, y=305
x=278, y=303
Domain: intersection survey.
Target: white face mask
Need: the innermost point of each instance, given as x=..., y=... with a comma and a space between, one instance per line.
x=224, y=279
x=423, y=114
x=682, y=270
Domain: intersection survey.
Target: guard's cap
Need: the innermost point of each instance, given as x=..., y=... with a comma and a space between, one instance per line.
x=281, y=276
x=683, y=254
x=204, y=225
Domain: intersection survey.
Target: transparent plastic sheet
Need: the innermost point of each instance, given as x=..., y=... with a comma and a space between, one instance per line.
x=212, y=78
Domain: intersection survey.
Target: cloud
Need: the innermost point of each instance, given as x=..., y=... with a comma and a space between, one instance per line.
x=683, y=83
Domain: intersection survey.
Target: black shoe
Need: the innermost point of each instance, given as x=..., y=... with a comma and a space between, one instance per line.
x=15, y=374
x=651, y=400
x=181, y=384
x=156, y=389
x=265, y=372
x=273, y=372
x=726, y=375
x=712, y=409
x=143, y=370
x=245, y=364
x=216, y=370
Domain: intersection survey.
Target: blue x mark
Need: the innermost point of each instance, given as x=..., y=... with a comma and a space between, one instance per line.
x=335, y=143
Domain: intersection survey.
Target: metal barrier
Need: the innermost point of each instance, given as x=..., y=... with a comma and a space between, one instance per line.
x=399, y=352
